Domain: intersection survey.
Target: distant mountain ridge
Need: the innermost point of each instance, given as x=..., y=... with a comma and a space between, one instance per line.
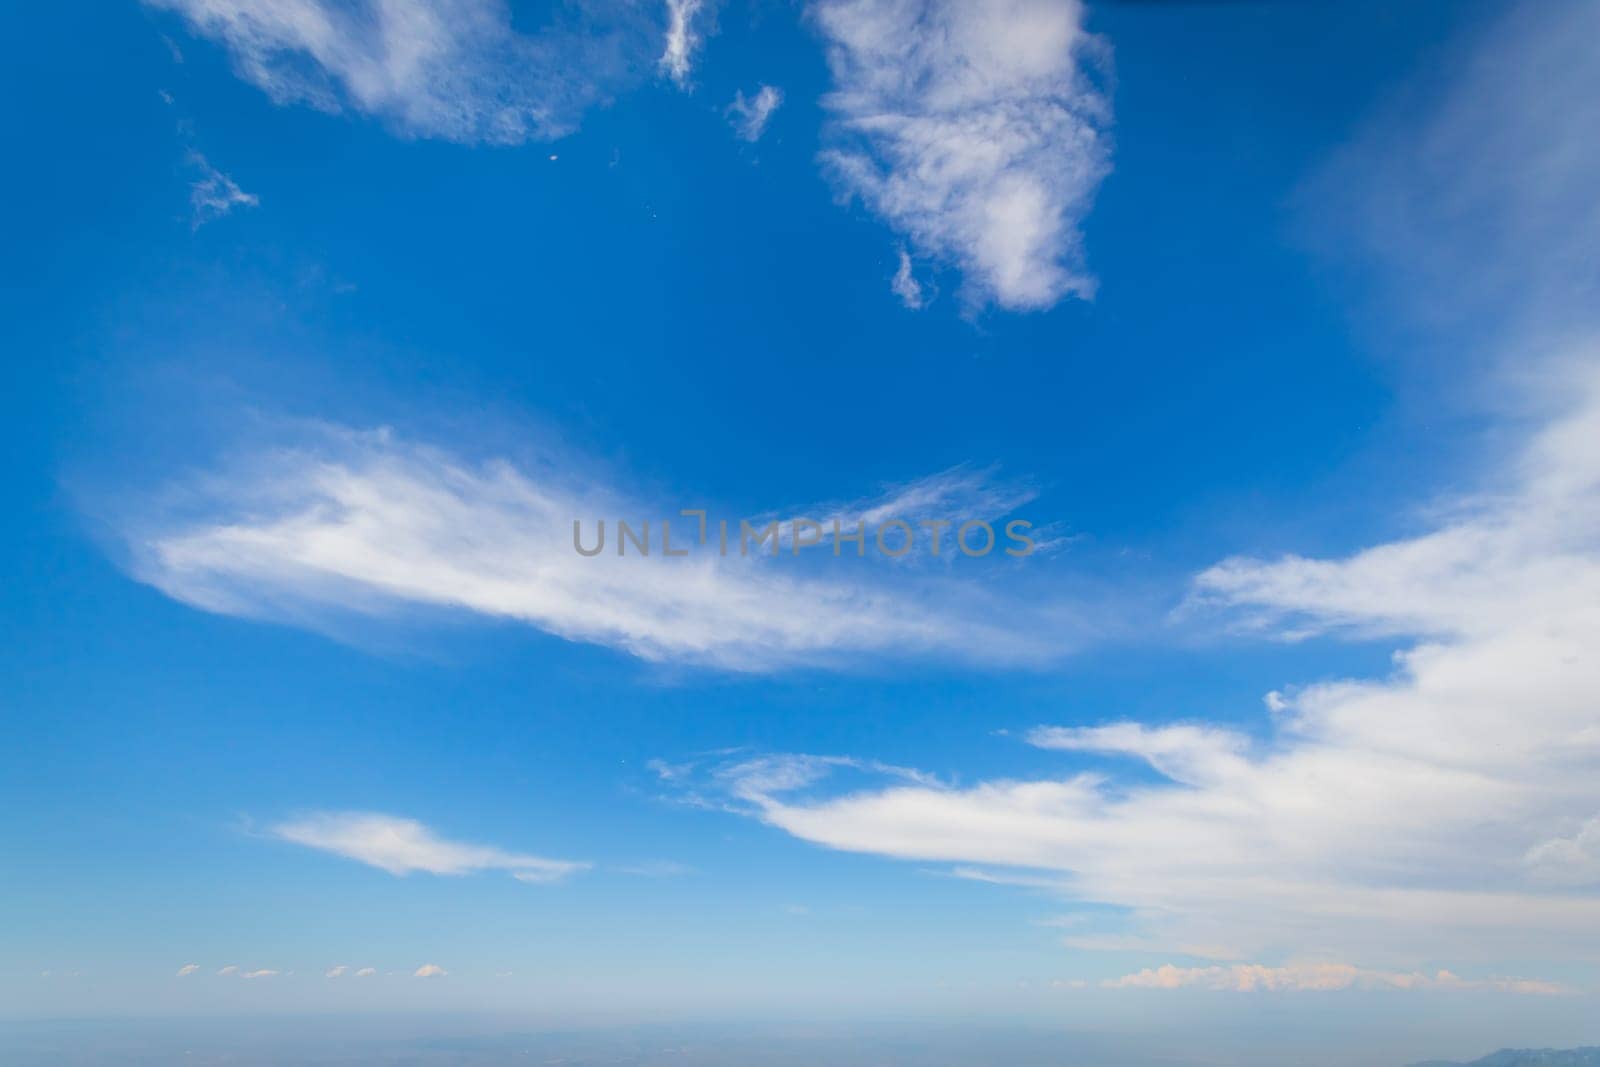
x=1589, y=1056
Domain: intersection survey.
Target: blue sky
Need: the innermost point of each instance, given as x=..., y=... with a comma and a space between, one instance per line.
x=323, y=324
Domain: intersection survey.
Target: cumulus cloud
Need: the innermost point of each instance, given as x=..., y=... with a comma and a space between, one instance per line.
x=749, y=117
x=335, y=972
x=213, y=194
x=677, y=56
x=366, y=972
x=229, y=969
x=404, y=846
x=456, y=70
x=430, y=970
x=1317, y=977
x=353, y=525
x=264, y=973
x=188, y=969
x=977, y=131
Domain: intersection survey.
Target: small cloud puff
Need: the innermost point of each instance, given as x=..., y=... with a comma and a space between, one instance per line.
x=430, y=970
x=213, y=194
x=749, y=117
x=188, y=969
x=905, y=285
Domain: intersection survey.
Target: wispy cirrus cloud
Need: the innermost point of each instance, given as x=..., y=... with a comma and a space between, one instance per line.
x=457, y=70
x=405, y=846
x=749, y=116
x=979, y=132
x=212, y=194
x=933, y=507
x=904, y=284
x=348, y=524
x=187, y=969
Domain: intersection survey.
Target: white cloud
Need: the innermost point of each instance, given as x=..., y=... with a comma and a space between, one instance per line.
x=678, y=53
x=361, y=525
x=259, y=974
x=905, y=284
x=188, y=969
x=954, y=495
x=229, y=969
x=450, y=69
x=1404, y=816
x=366, y=972
x=1446, y=809
x=750, y=116
x=335, y=972
x=1195, y=755
x=213, y=194
x=403, y=846
x=430, y=970
x=977, y=131
x=1317, y=977
x=1570, y=860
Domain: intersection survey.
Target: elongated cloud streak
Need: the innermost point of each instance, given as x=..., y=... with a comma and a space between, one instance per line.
x=1318, y=978
x=405, y=846
x=677, y=55
x=364, y=523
